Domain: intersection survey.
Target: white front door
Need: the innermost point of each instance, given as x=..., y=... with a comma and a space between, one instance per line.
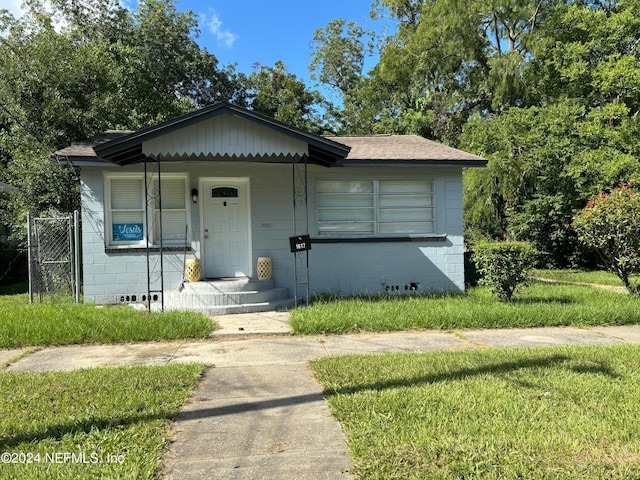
x=225, y=227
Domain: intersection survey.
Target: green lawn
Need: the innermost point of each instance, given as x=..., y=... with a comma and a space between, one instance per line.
x=87, y=424
x=539, y=304
x=581, y=276
x=548, y=413
x=63, y=322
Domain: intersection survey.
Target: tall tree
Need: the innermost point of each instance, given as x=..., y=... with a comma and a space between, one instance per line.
x=449, y=59
x=279, y=94
x=339, y=52
x=584, y=55
x=72, y=69
x=590, y=51
x=547, y=90
x=338, y=56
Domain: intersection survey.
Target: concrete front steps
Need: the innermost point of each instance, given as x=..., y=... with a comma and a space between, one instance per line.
x=227, y=296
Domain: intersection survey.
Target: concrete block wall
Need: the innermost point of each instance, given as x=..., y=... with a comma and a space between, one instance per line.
x=109, y=275
x=436, y=265
x=346, y=268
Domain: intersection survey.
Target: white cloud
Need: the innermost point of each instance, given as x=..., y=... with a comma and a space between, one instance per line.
x=214, y=24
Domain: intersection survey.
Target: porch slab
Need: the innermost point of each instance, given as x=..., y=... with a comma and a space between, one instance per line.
x=268, y=323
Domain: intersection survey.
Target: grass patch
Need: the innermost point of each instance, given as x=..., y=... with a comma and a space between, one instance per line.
x=548, y=413
x=601, y=277
x=121, y=414
x=537, y=305
x=63, y=322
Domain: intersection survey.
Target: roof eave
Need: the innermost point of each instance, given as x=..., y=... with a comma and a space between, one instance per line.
x=81, y=161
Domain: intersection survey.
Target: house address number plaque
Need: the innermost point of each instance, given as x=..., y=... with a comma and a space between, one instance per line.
x=300, y=243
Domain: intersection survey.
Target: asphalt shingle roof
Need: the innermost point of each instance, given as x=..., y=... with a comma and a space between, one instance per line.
x=364, y=149
x=402, y=147
x=85, y=148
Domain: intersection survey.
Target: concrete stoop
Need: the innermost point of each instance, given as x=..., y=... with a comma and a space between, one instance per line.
x=228, y=296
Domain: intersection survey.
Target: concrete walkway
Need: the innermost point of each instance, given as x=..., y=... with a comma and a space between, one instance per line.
x=258, y=412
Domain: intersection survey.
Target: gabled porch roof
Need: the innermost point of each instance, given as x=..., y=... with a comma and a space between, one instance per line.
x=128, y=149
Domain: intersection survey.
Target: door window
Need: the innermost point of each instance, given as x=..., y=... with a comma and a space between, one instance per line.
x=224, y=192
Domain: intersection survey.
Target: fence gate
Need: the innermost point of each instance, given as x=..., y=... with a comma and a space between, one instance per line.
x=53, y=257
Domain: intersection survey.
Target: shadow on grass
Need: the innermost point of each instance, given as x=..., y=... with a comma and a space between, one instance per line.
x=14, y=289
x=57, y=432
x=553, y=361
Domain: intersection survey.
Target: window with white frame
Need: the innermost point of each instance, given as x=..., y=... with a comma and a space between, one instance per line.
x=174, y=211
x=374, y=207
x=126, y=210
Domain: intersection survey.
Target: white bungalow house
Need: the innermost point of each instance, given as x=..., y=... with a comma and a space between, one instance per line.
x=227, y=186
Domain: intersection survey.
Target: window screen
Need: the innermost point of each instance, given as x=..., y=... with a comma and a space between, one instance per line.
x=174, y=211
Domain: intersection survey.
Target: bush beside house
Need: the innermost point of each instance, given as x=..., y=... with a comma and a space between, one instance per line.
x=503, y=266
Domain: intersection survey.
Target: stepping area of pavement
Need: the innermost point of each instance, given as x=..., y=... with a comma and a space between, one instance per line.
x=258, y=412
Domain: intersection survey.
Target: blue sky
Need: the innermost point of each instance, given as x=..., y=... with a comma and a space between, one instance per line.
x=267, y=31
x=262, y=31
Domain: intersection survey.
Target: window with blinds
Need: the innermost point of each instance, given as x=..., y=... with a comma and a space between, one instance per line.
x=405, y=207
x=126, y=211
x=345, y=208
x=374, y=207
x=174, y=211
x=127, y=216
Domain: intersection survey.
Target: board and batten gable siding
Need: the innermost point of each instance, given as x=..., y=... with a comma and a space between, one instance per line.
x=344, y=268
x=222, y=136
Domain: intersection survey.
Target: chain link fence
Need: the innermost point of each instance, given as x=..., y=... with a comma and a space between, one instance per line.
x=53, y=257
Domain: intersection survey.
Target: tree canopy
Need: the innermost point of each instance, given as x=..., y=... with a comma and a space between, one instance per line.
x=548, y=91
x=71, y=70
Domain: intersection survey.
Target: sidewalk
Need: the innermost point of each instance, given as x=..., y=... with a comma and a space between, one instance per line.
x=258, y=412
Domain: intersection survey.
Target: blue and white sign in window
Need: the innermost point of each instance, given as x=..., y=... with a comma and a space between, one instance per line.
x=128, y=232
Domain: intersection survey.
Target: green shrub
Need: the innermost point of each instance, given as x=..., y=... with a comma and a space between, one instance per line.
x=610, y=224
x=503, y=265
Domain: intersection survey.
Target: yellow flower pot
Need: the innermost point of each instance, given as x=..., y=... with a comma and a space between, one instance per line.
x=193, y=270
x=265, y=268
